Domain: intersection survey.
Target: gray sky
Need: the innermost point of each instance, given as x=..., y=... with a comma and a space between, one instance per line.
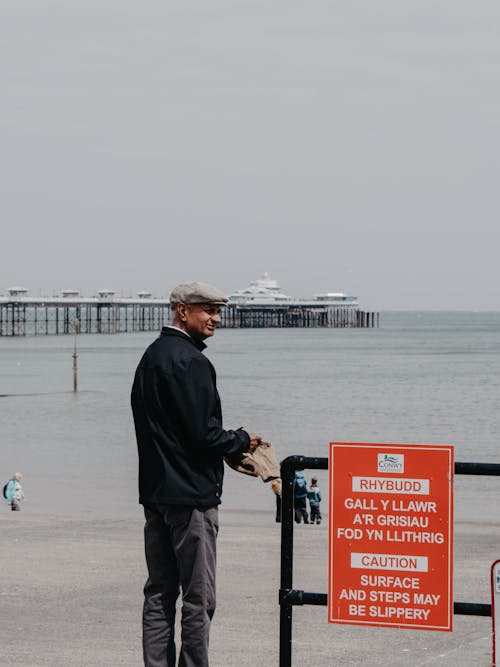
x=350, y=145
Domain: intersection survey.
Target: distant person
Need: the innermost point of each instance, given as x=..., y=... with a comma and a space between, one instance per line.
x=181, y=444
x=14, y=492
x=314, y=496
x=276, y=487
x=300, y=497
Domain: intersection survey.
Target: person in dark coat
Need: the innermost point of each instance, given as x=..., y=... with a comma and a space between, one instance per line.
x=181, y=444
x=300, y=497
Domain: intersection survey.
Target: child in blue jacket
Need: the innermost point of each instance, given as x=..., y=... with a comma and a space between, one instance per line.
x=314, y=496
x=14, y=492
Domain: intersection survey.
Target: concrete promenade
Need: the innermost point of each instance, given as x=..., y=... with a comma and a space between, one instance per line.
x=71, y=588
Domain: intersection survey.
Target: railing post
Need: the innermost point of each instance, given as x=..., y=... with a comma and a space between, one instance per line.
x=285, y=635
x=287, y=477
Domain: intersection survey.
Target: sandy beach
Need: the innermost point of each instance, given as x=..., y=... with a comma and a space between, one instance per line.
x=71, y=589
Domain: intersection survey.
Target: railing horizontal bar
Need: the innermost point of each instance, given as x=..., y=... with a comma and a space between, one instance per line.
x=297, y=597
x=321, y=463
x=474, y=468
x=471, y=609
x=302, y=462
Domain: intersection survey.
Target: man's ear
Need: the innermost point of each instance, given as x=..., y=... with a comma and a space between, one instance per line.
x=181, y=311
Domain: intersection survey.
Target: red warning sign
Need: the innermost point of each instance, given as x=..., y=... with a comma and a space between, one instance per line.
x=391, y=535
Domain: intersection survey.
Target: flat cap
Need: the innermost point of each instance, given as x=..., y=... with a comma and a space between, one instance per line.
x=196, y=292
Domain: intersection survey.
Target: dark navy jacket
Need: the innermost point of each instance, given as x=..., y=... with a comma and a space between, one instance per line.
x=178, y=424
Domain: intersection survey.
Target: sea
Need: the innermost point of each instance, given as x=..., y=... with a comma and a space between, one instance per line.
x=421, y=377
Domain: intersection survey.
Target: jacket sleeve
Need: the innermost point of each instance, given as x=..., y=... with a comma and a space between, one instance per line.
x=193, y=397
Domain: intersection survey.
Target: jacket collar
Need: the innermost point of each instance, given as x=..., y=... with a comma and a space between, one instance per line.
x=169, y=331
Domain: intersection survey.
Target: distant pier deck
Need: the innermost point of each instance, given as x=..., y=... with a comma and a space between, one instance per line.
x=38, y=316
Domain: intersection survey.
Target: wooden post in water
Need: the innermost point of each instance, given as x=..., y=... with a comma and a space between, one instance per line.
x=76, y=325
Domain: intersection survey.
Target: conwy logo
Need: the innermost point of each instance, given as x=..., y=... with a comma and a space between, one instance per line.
x=391, y=463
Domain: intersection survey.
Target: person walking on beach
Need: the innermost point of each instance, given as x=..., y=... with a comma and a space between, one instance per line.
x=14, y=492
x=300, y=497
x=181, y=444
x=276, y=487
x=314, y=496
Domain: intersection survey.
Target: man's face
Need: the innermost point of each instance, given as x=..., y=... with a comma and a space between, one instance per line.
x=200, y=320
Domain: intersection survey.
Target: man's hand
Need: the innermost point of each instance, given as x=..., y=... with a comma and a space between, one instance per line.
x=255, y=441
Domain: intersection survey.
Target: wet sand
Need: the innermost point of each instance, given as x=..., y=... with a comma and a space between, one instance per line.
x=71, y=589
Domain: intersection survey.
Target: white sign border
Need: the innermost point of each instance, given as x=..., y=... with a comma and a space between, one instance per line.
x=351, y=446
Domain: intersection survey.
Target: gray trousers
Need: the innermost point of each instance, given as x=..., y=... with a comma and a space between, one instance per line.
x=180, y=545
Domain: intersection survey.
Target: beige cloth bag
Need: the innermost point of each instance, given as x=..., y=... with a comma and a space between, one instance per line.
x=261, y=463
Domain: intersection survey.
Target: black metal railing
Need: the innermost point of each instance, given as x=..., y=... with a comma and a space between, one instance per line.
x=288, y=596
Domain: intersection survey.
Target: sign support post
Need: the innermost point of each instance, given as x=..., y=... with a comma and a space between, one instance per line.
x=495, y=610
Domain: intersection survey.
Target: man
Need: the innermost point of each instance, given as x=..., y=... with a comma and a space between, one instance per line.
x=181, y=445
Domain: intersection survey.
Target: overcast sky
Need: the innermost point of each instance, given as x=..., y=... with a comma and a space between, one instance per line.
x=339, y=145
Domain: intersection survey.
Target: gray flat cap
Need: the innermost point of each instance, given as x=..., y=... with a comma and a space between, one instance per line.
x=190, y=293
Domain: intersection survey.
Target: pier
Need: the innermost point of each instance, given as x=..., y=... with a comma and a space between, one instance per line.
x=22, y=315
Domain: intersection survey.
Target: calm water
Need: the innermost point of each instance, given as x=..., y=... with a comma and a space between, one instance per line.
x=421, y=377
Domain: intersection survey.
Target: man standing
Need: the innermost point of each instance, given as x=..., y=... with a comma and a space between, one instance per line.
x=181, y=445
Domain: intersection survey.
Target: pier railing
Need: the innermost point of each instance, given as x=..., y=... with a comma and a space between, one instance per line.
x=37, y=317
x=288, y=596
